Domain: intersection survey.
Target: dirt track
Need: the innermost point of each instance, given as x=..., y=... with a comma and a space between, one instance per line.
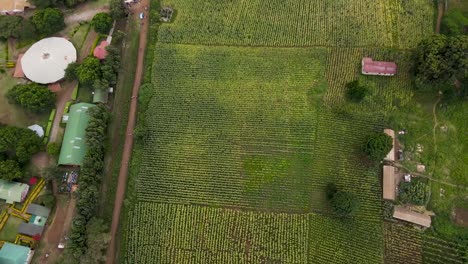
x=127, y=149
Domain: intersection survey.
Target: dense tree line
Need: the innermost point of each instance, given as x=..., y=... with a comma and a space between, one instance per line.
x=82, y=243
x=17, y=145
x=33, y=97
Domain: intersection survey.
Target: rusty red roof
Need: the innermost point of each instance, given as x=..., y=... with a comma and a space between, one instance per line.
x=18, y=69
x=378, y=67
x=100, y=51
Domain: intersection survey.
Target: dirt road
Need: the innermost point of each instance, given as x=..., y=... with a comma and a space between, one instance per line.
x=127, y=150
x=84, y=13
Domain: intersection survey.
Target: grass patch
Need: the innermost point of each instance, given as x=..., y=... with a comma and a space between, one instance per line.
x=10, y=230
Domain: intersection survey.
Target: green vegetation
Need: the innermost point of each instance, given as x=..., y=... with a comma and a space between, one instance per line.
x=88, y=70
x=378, y=145
x=454, y=23
x=32, y=97
x=19, y=143
x=10, y=229
x=357, y=23
x=415, y=192
x=344, y=204
x=48, y=21
x=10, y=170
x=102, y=23
x=356, y=91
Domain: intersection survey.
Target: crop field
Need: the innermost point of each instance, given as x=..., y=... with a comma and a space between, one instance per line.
x=339, y=23
x=247, y=123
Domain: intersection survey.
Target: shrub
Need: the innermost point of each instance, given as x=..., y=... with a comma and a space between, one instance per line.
x=102, y=23
x=53, y=149
x=330, y=190
x=378, y=145
x=355, y=91
x=415, y=192
x=48, y=21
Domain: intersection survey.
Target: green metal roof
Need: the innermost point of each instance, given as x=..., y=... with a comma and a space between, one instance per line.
x=14, y=254
x=100, y=96
x=73, y=145
x=13, y=191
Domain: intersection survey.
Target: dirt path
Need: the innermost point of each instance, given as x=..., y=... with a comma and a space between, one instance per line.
x=84, y=13
x=440, y=14
x=127, y=150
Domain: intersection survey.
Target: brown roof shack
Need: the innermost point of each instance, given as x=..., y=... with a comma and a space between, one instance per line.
x=370, y=67
x=407, y=215
x=18, y=69
x=13, y=7
x=389, y=182
x=391, y=155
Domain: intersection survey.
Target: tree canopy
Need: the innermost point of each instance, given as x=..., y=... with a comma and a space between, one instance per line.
x=102, y=23
x=356, y=91
x=344, y=204
x=440, y=60
x=454, y=23
x=9, y=26
x=48, y=21
x=378, y=145
x=10, y=170
x=33, y=97
x=19, y=143
x=70, y=71
x=89, y=70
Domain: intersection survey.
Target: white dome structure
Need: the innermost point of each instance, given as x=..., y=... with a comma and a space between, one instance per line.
x=38, y=129
x=46, y=60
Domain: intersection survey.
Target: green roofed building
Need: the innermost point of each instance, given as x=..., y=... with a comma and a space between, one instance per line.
x=13, y=192
x=100, y=96
x=73, y=145
x=15, y=254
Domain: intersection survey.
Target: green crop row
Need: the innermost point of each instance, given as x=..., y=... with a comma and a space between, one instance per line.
x=339, y=23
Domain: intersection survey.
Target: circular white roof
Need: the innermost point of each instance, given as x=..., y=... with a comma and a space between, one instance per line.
x=46, y=60
x=38, y=129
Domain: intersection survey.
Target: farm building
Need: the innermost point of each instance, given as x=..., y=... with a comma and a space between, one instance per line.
x=391, y=155
x=38, y=214
x=73, y=146
x=100, y=51
x=15, y=254
x=100, y=96
x=30, y=229
x=14, y=7
x=46, y=60
x=389, y=182
x=370, y=67
x=407, y=215
x=13, y=192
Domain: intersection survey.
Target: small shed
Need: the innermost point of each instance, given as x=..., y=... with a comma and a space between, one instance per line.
x=73, y=145
x=166, y=14
x=30, y=229
x=100, y=96
x=407, y=215
x=15, y=254
x=13, y=192
x=391, y=155
x=389, y=183
x=384, y=68
x=35, y=209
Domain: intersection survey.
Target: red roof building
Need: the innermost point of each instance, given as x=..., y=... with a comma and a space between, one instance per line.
x=18, y=69
x=370, y=67
x=100, y=51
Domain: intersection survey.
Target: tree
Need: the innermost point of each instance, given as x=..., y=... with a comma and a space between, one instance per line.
x=48, y=21
x=415, y=192
x=117, y=9
x=454, y=23
x=102, y=23
x=378, y=145
x=70, y=71
x=440, y=60
x=33, y=97
x=19, y=143
x=10, y=170
x=355, y=91
x=97, y=241
x=89, y=71
x=344, y=204
x=330, y=190
x=9, y=26
x=44, y=3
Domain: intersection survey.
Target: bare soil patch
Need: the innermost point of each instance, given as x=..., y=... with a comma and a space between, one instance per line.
x=460, y=216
